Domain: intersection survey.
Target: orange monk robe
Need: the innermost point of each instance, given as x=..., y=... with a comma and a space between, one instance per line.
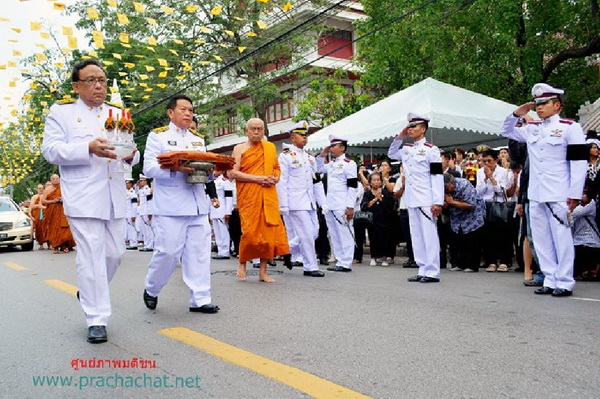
x=57, y=226
x=37, y=215
x=263, y=233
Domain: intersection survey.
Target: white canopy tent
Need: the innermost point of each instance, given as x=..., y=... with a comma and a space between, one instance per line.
x=459, y=117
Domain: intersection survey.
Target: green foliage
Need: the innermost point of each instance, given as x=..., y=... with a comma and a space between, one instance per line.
x=496, y=47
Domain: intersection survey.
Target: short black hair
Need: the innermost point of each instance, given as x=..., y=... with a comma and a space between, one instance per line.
x=446, y=155
x=173, y=100
x=374, y=174
x=82, y=64
x=490, y=153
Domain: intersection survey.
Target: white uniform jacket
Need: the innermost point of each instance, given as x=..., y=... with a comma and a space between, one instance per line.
x=225, y=194
x=418, y=160
x=172, y=195
x=296, y=187
x=131, y=202
x=144, y=194
x=342, y=182
x=90, y=187
x=552, y=177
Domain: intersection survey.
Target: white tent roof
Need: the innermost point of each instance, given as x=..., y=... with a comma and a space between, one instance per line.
x=459, y=117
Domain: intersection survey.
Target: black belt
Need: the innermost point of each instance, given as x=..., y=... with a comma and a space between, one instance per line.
x=134, y=200
x=148, y=197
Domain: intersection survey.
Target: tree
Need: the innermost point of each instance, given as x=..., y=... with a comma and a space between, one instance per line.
x=500, y=48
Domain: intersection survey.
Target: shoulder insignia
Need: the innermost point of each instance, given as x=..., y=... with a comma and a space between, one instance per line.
x=66, y=101
x=161, y=129
x=408, y=145
x=196, y=133
x=534, y=122
x=113, y=104
x=285, y=151
x=347, y=160
x=567, y=121
x=428, y=144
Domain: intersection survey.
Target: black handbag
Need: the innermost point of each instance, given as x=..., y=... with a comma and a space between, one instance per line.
x=498, y=212
x=363, y=218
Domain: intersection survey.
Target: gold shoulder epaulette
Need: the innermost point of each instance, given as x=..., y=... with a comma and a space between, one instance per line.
x=196, y=133
x=113, y=104
x=161, y=129
x=66, y=101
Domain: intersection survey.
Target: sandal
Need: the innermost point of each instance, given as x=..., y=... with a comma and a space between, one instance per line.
x=502, y=268
x=491, y=268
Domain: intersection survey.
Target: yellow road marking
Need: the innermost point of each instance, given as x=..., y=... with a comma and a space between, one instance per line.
x=308, y=383
x=15, y=266
x=63, y=286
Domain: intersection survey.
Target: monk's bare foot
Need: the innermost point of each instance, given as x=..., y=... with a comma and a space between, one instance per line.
x=241, y=273
x=56, y=251
x=266, y=279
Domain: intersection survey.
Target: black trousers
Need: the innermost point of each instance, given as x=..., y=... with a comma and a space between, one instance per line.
x=359, y=238
x=405, y=230
x=586, y=258
x=322, y=242
x=235, y=230
x=468, y=249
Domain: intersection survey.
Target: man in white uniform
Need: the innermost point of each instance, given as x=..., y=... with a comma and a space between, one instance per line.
x=220, y=215
x=145, y=196
x=75, y=139
x=180, y=212
x=296, y=191
x=131, y=202
x=557, y=161
x=342, y=186
x=423, y=195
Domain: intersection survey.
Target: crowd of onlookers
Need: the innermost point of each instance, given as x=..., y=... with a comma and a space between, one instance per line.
x=482, y=225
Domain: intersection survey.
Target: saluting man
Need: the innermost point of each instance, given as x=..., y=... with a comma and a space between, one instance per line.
x=342, y=186
x=75, y=139
x=296, y=189
x=557, y=169
x=180, y=212
x=131, y=202
x=423, y=195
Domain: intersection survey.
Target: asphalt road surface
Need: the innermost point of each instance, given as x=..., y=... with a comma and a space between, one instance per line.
x=368, y=333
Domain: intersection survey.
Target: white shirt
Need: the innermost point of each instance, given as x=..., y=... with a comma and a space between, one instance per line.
x=485, y=188
x=296, y=187
x=339, y=170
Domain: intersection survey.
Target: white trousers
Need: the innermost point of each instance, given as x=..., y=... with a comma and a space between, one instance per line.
x=130, y=232
x=425, y=241
x=305, y=226
x=100, y=245
x=293, y=240
x=146, y=228
x=185, y=238
x=553, y=243
x=342, y=239
x=221, y=236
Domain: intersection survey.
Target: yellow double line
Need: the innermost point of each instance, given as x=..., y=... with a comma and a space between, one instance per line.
x=301, y=380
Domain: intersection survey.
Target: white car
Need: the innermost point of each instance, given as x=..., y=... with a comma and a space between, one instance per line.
x=16, y=228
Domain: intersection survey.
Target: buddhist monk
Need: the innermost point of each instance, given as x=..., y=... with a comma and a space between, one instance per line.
x=37, y=215
x=256, y=172
x=57, y=226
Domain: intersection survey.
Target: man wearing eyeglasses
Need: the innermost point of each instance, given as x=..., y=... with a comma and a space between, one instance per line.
x=424, y=194
x=557, y=170
x=75, y=139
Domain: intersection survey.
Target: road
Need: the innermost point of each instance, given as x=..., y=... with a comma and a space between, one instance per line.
x=368, y=333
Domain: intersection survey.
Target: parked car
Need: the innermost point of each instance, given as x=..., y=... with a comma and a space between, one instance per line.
x=16, y=228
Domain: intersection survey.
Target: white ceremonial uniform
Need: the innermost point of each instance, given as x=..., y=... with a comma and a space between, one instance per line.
x=180, y=213
x=422, y=191
x=339, y=198
x=145, y=195
x=552, y=179
x=225, y=195
x=93, y=196
x=296, y=192
x=131, y=232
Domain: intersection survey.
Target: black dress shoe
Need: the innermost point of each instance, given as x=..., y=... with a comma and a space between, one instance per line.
x=339, y=269
x=324, y=261
x=426, y=279
x=97, y=334
x=415, y=279
x=131, y=248
x=78, y=296
x=544, y=291
x=297, y=264
x=220, y=257
x=287, y=261
x=272, y=262
x=314, y=273
x=208, y=308
x=562, y=292
x=410, y=265
x=150, y=301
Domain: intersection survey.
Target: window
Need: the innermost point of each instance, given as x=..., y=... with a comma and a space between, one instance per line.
x=229, y=128
x=279, y=111
x=340, y=41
